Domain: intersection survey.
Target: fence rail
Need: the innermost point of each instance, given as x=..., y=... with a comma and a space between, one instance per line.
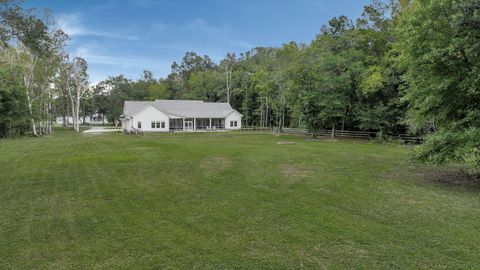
x=253, y=128
x=135, y=132
x=367, y=135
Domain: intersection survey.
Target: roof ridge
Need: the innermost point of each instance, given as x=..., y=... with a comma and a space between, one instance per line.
x=184, y=108
x=184, y=100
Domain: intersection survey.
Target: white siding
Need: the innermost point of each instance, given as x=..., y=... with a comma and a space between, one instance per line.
x=148, y=115
x=235, y=116
x=127, y=124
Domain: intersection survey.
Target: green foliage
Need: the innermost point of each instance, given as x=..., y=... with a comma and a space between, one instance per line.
x=383, y=138
x=206, y=85
x=448, y=145
x=13, y=106
x=120, y=89
x=375, y=117
x=440, y=52
x=158, y=91
x=372, y=81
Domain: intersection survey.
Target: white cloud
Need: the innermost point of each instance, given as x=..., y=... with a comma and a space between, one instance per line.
x=205, y=27
x=72, y=24
x=89, y=53
x=202, y=33
x=124, y=62
x=103, y=65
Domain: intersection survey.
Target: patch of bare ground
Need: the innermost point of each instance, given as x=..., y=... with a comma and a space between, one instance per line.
x=216, y=163
x=445, y=177
x=452, y=178
x=294, y=170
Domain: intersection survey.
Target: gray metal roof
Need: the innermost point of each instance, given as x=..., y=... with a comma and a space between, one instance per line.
x=181, y=108
x=131, y=108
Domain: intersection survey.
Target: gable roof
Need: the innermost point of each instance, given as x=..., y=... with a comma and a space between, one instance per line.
x=131, y=108
x=181, y=108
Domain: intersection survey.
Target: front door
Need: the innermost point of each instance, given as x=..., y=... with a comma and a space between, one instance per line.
x=189, y=125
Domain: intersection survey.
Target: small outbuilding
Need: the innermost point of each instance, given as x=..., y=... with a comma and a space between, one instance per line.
x=179, y=115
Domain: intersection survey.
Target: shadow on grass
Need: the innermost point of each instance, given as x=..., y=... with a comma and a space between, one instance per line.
x=451, y=178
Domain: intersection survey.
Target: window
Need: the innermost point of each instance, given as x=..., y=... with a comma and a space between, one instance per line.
x=158, y=124
x=233, y=123
x=139, y=124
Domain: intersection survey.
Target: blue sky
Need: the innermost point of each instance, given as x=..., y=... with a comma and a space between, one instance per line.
x=128, y=36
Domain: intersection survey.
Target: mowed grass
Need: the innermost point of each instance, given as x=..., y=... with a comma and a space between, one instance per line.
x=227, y=201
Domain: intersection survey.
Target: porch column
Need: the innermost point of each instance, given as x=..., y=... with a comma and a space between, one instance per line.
x=194, y=124
x=183, y=124
x=210, y=123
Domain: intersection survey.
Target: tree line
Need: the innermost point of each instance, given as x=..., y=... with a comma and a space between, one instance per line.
x=37, y=75
x=346, y=78
x=404, y=66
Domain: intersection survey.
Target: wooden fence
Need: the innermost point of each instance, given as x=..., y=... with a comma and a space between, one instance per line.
x=253, y=128
x=367, y=135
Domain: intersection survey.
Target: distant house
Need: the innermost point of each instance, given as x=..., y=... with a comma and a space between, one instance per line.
x=179, y=115
x=94, y=119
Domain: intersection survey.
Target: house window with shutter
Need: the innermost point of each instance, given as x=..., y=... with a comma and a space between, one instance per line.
x=139, y=124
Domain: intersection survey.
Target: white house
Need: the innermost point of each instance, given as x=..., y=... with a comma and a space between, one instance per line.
x=179, y=115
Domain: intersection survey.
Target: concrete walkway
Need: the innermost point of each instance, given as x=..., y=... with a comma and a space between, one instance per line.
x=102, y=130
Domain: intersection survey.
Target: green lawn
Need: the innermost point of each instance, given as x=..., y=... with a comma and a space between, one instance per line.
x=227, y=201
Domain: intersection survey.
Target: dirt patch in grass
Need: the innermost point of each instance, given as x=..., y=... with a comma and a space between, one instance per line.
x=216, y=163
x=451, y=178
x=294, y=170
x=444, y=177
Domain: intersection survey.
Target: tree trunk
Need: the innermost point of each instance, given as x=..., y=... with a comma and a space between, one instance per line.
x=228, y=78
x=344, y=118
x=261, y=113
x=77, y=113
x=49, y=114
x=64, y=113
x=333, y=130
x=72, y=107
x=34, y=126
x=30, y=110
x=29, y=103
x=266, y=113
x=278, y=123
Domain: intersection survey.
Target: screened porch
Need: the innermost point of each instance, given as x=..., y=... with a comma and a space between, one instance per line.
x=192, y=124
